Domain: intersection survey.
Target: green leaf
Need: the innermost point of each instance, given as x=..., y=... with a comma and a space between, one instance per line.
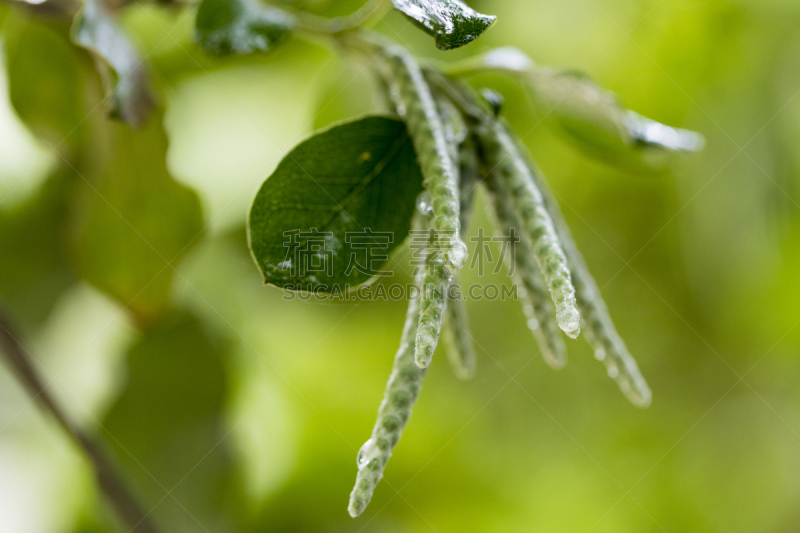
x=352, y=184
x=133, y=222
x=46, y=82
x=35, y=270
x=96, y=30
x=168, y=430
x=595, y=122
x=240, y=26
x=451, y=22
x=589, y=116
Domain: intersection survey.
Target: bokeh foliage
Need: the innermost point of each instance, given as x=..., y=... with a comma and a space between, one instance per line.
x=698, y=266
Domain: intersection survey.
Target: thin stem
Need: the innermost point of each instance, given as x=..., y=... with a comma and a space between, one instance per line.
x=123, y=502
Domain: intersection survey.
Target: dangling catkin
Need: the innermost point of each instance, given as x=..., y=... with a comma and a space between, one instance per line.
x=402, y=389
x=415, y=102
x=536, y=302
x=504, y=160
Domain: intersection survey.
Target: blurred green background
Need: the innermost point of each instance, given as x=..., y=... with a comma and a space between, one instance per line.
x=239, y=411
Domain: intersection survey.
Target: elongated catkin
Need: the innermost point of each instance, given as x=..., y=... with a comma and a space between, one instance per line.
x=402, y=389
x=505, y=160
x=415, y=103
x=536, y=302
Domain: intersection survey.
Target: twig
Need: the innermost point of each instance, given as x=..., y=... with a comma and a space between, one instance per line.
x=112, y=486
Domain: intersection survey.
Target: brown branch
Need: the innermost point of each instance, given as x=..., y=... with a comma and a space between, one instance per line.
x=111, y=485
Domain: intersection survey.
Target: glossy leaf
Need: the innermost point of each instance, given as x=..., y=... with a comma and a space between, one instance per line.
x=451, y=22
x=96, y=30
x=348, y=188
x=240, y=26
x=591, y=117
x=133, y=222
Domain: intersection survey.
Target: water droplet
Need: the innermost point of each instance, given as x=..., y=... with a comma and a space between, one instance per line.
x=570, y=322
x=424, y=203
x=457, y=255
x=528, y=309
x=533, y=323
x=613, y=372
x=494, y=99
x=600, y=354
x=648, y=131
x=367, y=453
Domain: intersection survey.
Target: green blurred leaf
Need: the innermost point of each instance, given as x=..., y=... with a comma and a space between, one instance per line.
x=240, y=26
x=167, y=427
x=35, y=269
x=451, y=22
x=595, y=121
x=46, y=86
x=133, y=222
x=97, y=31
x=589, y=116
x=353, y=177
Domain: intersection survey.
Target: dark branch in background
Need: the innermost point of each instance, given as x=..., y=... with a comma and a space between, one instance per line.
x=21, y=363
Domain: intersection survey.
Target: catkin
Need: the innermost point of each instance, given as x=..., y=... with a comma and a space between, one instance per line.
x=602, y=335
x=469, y=176
x=504, y=159
x=414, y=101
x=458, y=340
x=401, y=392
x=433, y=301
x=437, y=278
x=598, y=327
x=536, y=303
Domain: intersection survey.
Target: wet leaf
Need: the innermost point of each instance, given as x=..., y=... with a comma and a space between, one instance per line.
x=240, y=26
x=591, y=117
x=133, y=221
x=130, y=94
x=451, y=22
x=337, y=206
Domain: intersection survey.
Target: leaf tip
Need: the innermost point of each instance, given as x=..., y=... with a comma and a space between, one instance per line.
x=462, y=36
